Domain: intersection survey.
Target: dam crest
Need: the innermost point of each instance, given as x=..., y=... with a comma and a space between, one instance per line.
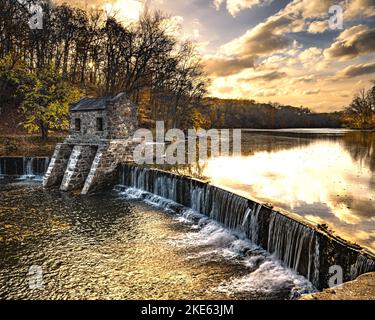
x=306, y=249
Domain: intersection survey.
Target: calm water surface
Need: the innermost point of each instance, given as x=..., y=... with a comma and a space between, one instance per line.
x=325, y=176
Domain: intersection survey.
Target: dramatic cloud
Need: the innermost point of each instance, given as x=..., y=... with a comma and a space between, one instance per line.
x=222, y=66
x=358, y=70
x=304, y=79
x=364, y=8
x=273, y=35
x=351, y=43
x=311, y=92
x=309, y=8
x=267, y=77
x=318, y=26
x=235, y=6
x=310, y=55
x=265, y=38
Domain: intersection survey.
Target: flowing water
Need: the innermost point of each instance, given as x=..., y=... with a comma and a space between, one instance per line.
x=24, y=168
x=115, y=247
x=299, y=246
x=148, y=241
x=324, y=176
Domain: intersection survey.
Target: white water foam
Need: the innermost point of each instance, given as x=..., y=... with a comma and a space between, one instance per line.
x=30, y=177
x=269, y=277
x=265, y=273
x=212, y=241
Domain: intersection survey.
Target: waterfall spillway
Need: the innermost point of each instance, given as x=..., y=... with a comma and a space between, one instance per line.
x=24, y=167
x=293, y=242
x=299, y=246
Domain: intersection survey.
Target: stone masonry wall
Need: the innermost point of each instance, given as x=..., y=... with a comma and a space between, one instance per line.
x=122, y=118
x=88, y=131
x=58, y=165
x=79, y=166
x=108, y=157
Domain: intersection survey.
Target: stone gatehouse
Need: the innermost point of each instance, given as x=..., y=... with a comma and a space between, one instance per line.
x=100, y=138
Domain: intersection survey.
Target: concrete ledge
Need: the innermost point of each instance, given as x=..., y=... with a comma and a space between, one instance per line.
x=363, y=288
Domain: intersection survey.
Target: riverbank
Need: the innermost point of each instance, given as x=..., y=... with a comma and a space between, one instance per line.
x=21, y=145
x=363, y=288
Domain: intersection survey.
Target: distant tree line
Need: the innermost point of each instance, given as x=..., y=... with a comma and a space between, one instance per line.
x=227, y=113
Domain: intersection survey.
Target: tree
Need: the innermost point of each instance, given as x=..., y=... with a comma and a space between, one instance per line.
x=361, y=112
x=96, y=52
x=12, y=74
x=194, y=118
x=46, y=102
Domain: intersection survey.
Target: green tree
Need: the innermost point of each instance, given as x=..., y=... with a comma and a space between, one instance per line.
x=46, y=102
x=13, y=74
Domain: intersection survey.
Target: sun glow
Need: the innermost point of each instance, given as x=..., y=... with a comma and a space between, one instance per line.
x=291, y=180
x=124, y=10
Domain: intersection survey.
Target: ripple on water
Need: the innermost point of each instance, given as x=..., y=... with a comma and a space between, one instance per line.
x=109, y=247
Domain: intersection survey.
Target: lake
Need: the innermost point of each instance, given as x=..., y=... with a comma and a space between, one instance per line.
x=326, y=176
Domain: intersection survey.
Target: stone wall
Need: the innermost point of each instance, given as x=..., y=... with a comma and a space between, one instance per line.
x=58, y=165
x=88, y=131
x=103, y=171
x=122, y=118
x=88, y=168
x=78, y=168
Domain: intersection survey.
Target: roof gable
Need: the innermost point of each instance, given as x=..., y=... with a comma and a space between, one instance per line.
x=90, y=104
x=96, y=104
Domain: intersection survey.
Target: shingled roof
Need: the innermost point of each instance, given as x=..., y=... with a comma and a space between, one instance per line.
x=94, y=104
x=90, y=104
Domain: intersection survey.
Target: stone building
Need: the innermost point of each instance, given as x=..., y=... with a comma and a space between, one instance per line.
x=92, y=120
x=100, y=138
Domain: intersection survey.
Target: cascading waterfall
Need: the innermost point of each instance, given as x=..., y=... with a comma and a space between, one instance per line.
x=24, y=167
x=288, y=239
x=247, y=214
x=250, y=222
x=299, y=246
x=28, y=167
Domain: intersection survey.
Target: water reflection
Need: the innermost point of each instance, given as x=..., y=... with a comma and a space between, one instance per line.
x=324, y=176
x=361, y=147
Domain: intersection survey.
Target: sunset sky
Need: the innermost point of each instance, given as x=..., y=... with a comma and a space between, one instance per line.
x=273, y=50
